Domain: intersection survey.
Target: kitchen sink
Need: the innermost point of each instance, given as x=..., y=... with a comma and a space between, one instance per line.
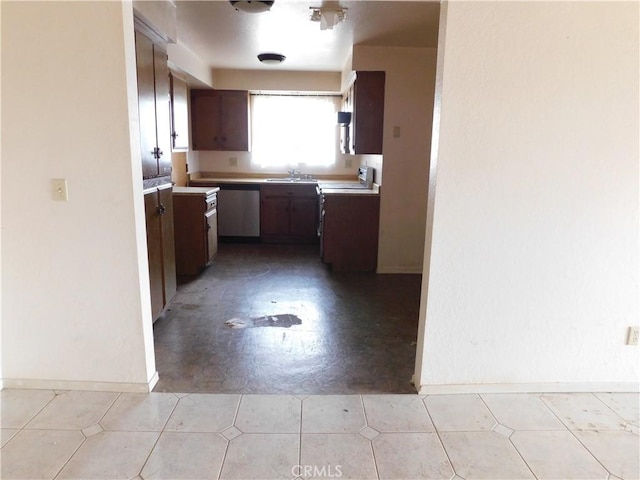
x=292, y=180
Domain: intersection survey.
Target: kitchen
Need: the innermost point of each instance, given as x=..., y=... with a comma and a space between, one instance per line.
x=391, y=140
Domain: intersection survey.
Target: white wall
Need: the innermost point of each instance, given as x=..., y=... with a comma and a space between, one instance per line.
x=532, y=275
x=279, y=81
x=197, y=73
x=409, y=94
x=160, y=15
x=1, y=223
x=73, y=315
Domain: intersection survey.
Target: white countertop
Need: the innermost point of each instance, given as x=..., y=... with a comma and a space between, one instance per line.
x=196, y=190
x=325, y=185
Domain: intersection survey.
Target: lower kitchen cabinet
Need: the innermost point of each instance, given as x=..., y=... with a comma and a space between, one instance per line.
x=289, y=213
x=350, y=232
x=196, y=228
x=158, y=204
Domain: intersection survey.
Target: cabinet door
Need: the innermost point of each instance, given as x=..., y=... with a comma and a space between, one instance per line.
x=205, y=120
x=154, y=252
x=275, y=216
x=179, y=114
x=163, y=118
x=165, y=197
x=211, y=219
x=146, y=105
x=234, y=121
x=304, y=217
x=350, y=232
x=368, y=116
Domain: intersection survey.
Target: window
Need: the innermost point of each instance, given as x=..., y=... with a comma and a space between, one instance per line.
x=289, y=130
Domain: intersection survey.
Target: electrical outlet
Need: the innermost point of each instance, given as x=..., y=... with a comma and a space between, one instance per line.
x=233, y=161
x=632, y=335
x=348, y=163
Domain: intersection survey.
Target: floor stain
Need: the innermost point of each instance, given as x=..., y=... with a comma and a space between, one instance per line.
x=284, y=320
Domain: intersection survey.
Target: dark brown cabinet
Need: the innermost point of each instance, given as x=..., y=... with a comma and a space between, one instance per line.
x=158, y=205
x=220, y=120
x=350, y=232
x=153, y=107
x=288, y=213
x=179, y=114
x=365, y=100
x=196, y=228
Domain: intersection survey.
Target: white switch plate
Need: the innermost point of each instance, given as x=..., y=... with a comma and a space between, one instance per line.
x=348, y=163
x=632, y=335
x=59, y=190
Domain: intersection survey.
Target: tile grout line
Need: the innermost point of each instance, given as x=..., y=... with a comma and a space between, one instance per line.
x=573, y=434
x=233, y=424
x=85, y=437
x=509, y=437
x=593, y=394
x=55, y=395
x=155, y=444
x=300, y=432
x=366, y=422
x=437, y=432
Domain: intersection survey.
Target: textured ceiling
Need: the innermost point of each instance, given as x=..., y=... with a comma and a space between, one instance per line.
x=225, y=38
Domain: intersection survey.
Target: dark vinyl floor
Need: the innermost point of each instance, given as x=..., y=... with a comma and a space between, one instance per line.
x=306, y=330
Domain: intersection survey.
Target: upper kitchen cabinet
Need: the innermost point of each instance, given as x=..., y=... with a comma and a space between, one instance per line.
x=220, y=120
x=364, y=98
x=179, y=114
x=153, y=107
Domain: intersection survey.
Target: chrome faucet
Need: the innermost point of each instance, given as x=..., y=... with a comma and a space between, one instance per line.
x=293, y=173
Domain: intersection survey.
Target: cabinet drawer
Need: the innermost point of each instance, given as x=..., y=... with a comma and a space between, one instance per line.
x=212, y=202
x=307, y=190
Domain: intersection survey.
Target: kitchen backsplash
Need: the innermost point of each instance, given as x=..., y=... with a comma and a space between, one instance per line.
x=240, y=162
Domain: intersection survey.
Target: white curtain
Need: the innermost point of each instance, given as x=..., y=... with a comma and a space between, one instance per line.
x=290, y=130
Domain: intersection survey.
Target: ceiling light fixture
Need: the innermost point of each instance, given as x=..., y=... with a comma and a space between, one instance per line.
x=251, y=6
x=271, y=58
x=328, y=17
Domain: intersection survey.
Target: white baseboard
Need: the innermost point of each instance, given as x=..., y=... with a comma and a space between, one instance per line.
x=154, y=379
x=19, y=383
x=624, y=387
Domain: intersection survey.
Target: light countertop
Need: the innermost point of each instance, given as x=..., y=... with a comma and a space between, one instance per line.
x=196, y=190
x=324, y=184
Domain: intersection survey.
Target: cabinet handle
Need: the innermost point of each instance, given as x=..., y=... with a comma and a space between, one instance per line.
x=157, y=153
x=161, y=209
x=174, y=135
x=208, y=226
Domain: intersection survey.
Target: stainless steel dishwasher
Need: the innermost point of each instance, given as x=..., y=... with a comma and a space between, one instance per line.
x=239, y=212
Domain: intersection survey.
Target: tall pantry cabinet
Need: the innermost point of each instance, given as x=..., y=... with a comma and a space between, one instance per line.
x=153, y=105
x=155, y=141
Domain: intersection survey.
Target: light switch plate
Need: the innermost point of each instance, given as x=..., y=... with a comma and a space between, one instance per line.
x=59, y=190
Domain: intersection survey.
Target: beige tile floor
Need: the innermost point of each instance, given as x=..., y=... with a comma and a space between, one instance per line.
x=97, y=435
